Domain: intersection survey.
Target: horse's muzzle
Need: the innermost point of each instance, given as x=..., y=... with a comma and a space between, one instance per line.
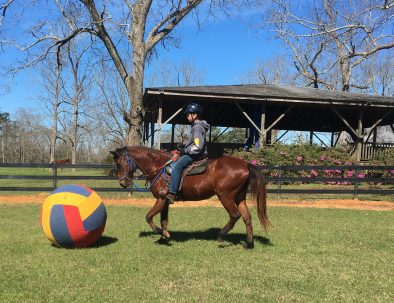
x=123, y=183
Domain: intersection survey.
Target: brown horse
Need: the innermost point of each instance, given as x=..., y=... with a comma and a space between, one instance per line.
x=227, y=177
x=61, y=161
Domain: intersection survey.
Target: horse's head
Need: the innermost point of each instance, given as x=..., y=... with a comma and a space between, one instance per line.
x=125, y=166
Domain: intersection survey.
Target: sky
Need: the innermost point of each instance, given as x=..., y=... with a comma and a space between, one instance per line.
x=223, y=51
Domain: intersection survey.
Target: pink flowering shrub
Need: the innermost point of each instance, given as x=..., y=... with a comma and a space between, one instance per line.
x=295, y=155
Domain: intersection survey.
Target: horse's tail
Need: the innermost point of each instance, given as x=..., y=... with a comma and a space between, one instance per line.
x=257, y=187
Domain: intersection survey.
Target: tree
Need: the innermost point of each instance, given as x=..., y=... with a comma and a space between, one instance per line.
x=5, y=123
x=129, y=35
x=331, y=37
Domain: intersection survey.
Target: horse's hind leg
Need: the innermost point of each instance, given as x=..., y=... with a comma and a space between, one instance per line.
x=234, y=214
x=243, y=209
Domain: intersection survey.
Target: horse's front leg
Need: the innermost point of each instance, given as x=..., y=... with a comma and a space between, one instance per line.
x=164, y=221
x=157, y=207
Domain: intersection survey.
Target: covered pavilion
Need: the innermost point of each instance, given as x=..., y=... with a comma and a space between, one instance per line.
x=279, y=107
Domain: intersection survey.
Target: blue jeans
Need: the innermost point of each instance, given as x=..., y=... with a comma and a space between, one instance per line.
x=176, y=173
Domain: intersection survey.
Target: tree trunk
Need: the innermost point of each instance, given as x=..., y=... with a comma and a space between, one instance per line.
x=55, y=116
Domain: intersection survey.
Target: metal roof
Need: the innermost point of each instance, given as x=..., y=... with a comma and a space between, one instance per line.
x=312, y=109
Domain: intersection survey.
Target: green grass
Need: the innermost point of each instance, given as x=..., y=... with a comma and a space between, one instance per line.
x=311, y=255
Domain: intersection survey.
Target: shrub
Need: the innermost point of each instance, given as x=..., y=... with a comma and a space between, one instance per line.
x=305, y=154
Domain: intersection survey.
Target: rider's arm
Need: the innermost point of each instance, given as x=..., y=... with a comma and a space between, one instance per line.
x=197, y=140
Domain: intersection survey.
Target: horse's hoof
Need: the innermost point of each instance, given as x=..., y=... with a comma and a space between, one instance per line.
x=158, y=231
x=163, y=241
x=249, y=245
x=165, y=234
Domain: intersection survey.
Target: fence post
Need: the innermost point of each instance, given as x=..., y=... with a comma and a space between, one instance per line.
x=355, y=194
x=54, y=177
x=279, y=181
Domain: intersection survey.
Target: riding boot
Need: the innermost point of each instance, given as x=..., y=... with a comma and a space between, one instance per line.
x=171, y=198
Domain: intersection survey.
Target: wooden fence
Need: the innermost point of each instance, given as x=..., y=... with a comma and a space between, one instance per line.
x=277, y=176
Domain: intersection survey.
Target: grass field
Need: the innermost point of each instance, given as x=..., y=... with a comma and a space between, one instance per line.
x=311, y=255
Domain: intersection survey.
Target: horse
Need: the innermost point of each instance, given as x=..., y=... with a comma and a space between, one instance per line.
x=61, y=161
x=227, y=177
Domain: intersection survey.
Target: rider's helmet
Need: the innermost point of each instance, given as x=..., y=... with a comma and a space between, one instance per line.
x=193, y=108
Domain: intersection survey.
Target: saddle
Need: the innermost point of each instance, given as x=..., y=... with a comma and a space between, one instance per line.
x=194, y=168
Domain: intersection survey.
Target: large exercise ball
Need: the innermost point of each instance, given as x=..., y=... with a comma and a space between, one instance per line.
x=73, y=216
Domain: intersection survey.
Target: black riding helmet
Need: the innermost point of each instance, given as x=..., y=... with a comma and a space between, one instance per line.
x=193, y=108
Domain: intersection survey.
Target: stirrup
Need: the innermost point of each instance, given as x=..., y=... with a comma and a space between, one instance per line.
x=171, y=198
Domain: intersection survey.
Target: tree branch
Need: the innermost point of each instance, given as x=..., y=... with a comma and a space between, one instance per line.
x=156, y=34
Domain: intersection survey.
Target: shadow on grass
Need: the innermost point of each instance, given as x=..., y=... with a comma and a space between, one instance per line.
x=102, y=241
x=209, y=234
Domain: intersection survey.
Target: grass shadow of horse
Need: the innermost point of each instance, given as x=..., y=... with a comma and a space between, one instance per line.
x=208, y=234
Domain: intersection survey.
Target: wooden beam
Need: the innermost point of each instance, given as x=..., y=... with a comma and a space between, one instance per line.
x=319, y=139
x=278, y=119
x=282, y=135
x=376, y=125
x=345, y=122
x=250, y=119
x=220, y=134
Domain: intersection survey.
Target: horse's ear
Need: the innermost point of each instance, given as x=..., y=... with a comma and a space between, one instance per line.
x=113, y=152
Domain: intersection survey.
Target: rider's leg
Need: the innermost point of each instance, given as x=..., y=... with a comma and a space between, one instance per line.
x=176, y=175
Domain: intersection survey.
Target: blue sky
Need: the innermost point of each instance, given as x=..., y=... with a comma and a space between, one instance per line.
x=222, y=50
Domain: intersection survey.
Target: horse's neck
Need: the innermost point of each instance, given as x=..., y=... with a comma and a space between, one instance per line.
x=147, y=164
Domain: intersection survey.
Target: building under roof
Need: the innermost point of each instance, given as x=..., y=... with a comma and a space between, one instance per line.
x=281, y=107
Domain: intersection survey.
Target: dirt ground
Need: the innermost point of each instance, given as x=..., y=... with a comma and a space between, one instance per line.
x=330, y=203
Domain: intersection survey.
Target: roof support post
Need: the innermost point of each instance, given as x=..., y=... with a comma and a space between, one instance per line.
x=172, y=134
x=332, y=139
x=159, y=116
x=263, y=131
x=152, y=131
x=263, y=139
x=359, y=135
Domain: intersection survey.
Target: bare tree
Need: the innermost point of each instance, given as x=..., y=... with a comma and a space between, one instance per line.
x=331, y=36
x=140, y=24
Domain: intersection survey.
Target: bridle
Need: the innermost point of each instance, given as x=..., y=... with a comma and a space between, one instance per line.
x=131, y=166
